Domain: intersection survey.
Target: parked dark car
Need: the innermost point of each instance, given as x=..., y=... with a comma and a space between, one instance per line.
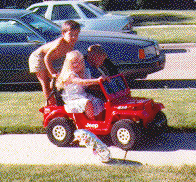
x=21, y=32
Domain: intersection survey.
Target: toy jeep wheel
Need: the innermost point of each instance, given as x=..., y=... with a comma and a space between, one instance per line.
x=125, y=133
x=60, y=132
x=159, y=124
x=160, y=117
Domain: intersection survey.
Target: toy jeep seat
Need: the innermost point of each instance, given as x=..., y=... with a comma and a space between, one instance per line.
x=56, y=93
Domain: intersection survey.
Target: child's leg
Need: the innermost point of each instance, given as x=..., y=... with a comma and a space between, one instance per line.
x=89, y=110
x=43, y=77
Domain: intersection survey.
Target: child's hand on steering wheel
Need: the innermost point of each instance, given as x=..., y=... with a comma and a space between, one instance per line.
x=104, y=78
x=53, y=80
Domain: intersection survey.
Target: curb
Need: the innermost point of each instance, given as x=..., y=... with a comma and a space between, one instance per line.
x=178, y=46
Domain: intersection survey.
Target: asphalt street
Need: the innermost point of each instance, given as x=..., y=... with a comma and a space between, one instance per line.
x=180, y=65
x=179, y=71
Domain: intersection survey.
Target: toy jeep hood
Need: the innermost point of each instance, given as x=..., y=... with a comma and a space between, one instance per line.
x=133, y=103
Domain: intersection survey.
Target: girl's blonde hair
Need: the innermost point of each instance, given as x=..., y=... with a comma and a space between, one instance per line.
x=66, y=69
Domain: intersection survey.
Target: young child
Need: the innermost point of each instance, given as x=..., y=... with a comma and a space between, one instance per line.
x=74, y=77
x=98, y=62
x=47, y=59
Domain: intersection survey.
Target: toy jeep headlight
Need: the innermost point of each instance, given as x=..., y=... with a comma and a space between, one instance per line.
x=47, y=110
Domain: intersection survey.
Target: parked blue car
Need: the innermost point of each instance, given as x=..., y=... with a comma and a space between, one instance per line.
x=21, y=32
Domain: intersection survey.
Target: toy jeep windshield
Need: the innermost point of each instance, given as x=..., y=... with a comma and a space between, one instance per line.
x=124, y=117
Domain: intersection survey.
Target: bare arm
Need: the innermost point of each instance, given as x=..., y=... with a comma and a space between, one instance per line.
x=48, y=59
x=54, y=52
x=85, y=82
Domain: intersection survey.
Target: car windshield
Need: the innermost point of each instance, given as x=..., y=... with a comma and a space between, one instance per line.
x=95, y=8
x=40, y=24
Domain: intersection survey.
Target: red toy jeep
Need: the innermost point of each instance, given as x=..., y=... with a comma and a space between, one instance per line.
x=124, y=117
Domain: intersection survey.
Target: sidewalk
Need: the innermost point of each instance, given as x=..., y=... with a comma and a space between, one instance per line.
x=178, y=46
x=172, y=149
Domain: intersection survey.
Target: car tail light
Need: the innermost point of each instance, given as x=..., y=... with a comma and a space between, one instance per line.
x=142, y=54
x=149, y=52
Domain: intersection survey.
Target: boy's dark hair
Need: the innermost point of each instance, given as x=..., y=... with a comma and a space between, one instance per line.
x=96, y=49
x=70, y=25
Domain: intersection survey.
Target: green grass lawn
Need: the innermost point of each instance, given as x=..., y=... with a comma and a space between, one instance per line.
x=184, y=34
x=19, y=111
x=169, y=34
x=179, y=105
x=161, y=17
x=86, y=173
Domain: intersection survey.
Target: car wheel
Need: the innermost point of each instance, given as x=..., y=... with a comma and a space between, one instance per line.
x=60, y=132
x=125, y=134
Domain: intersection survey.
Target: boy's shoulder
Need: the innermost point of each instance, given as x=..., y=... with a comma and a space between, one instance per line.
x=52, y=44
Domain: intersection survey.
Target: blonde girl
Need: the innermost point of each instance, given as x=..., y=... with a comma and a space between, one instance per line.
x=73, y=79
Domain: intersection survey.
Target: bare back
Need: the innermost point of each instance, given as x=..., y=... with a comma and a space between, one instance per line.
x=54, y=50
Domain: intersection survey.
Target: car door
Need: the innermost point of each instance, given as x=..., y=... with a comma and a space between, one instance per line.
x=17, y=42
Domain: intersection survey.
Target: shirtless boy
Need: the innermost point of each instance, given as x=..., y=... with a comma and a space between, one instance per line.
x=42, y=61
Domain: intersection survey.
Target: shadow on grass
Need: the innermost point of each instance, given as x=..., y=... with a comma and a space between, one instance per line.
x=123, y=162
x=20, y=87
x=140, y=20
x=134, y=84
x=171, y=140
x=22, y=130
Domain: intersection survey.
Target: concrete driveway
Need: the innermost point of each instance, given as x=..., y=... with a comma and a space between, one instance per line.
x=168, y=149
